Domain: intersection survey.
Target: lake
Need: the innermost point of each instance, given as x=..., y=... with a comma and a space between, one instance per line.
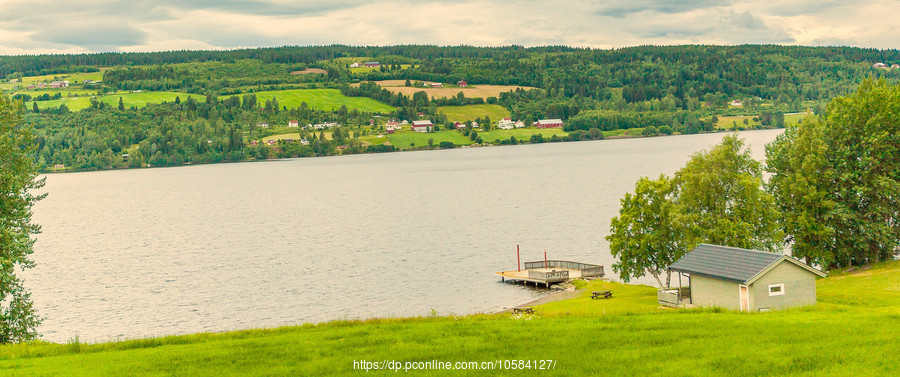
x=149, y=252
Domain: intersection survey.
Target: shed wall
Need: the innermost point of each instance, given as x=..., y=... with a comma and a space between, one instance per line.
x=799, y=288
x=711, y=292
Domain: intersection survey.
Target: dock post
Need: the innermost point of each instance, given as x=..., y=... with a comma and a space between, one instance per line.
x=518, y=260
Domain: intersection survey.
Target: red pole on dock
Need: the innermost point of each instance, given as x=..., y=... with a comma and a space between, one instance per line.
x=518, y=260
x=545, y=258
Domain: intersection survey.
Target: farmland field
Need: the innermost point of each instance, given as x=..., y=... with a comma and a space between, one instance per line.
x=322, y=99
x=129, y=99
x=471, y=112
x=309, y=71
x=472, y=91
x=520, y=133
x=292, y=135
x=406, y=139
x=730, y=122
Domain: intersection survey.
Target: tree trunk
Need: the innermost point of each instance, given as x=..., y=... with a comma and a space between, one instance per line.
x=656, y=276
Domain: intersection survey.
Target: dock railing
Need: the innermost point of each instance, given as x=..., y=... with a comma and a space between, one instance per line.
x=587, y=270
x=549, y=276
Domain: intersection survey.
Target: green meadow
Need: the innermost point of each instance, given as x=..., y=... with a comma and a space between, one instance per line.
x=851, y=332
x=322, y=99
x=129, y=99
x=410, y=139
x=520, y=133
x=730, y=122
x=471, y=112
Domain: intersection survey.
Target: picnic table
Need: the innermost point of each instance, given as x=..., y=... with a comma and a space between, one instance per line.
x=523, y=309
x=601, y=294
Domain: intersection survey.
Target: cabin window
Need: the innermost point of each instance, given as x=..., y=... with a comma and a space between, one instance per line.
x=776, y=289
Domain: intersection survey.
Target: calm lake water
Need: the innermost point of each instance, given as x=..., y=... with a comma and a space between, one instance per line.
x=136, y=253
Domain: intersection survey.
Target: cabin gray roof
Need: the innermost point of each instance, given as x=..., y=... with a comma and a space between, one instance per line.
x=729, y=263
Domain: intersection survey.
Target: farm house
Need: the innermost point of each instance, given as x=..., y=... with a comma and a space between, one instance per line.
x=741, y=279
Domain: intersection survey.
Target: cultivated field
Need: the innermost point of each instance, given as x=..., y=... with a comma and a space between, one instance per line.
x=309, y=71
x=851, y=332
x=471, y=112
x=410, y=139
x=472, y=91
x=322, y=99
x=731, y=122
x=129, y=99
x=520, y=134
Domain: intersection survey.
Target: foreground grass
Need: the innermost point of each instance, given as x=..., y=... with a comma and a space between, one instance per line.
x=852, y=331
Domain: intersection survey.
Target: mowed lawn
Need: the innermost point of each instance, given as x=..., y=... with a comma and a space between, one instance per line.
x=851, y=332
x=128, y=99
x=471, y=112
x=322, y=99
x=411, y=139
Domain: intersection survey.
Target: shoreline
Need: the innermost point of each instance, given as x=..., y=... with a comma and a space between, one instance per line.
x=621, y=137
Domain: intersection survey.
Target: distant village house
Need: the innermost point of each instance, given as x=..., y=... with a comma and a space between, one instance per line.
x=462, y=83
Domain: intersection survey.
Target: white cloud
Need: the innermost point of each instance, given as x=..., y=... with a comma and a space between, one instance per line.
x=114, y=25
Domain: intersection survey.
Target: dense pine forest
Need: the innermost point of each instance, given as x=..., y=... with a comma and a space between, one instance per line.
x=170, y=108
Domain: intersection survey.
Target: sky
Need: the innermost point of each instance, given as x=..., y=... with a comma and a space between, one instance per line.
x=39, y=27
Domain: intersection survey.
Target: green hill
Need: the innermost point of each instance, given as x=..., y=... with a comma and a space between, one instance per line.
x=852, y=331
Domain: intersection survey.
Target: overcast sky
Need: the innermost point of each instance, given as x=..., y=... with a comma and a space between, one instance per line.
x=35, y=26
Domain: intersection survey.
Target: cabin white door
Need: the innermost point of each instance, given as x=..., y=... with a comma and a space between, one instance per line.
x=745, y=299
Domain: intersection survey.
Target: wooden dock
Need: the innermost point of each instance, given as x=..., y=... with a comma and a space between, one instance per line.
x=551, y=272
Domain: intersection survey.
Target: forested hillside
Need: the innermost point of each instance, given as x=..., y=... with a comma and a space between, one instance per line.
x=117, y=110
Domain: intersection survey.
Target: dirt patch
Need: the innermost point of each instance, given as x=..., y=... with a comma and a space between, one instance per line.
x=310, y=70
x=472, y=91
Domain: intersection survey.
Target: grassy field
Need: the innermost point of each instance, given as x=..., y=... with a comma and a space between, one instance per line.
x=630, y=132
x=729, y=122
x=293, y=135
x=410, y=139
x=851, y=332
x=322, y=99
x=472, y=91
x=74, y=78
x=129, y=99
x=471, y=112
x=520, y=133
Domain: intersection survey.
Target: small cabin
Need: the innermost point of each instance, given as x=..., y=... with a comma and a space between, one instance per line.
x=741, y=279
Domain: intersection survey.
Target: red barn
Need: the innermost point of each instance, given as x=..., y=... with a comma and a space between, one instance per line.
x=549, y=123
x=462, y=83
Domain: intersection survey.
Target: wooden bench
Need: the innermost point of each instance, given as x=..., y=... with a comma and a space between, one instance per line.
x=523, y=309
x=601, y=294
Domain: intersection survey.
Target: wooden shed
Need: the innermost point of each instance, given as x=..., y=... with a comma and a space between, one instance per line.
x=746, y=280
